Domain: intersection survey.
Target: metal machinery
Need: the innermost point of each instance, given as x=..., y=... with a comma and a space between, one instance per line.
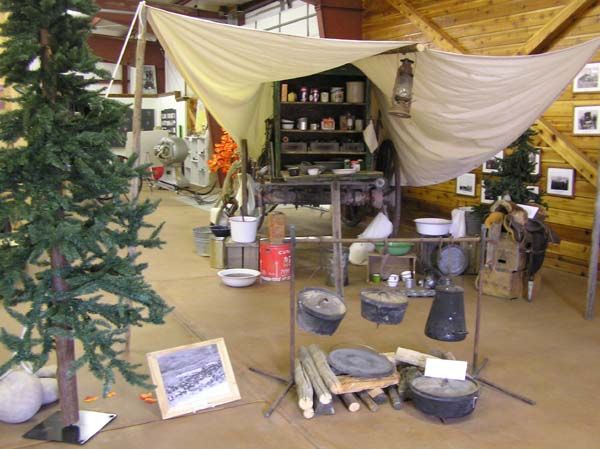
x=195, y=165
x=171, y=152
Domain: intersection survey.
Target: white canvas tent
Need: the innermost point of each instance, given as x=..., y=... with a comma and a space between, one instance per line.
x=465, y=108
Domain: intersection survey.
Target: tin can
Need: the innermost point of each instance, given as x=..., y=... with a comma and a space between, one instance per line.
x=337, y=94
x=347, y=163
x=314, y=95
x=303, y=94
x=324, y=97
x=376, y=278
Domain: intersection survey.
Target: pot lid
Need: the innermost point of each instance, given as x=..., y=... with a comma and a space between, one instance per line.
x=452, y=260
x=444, y=388
x=322, y=303
x=449, y=289
x=380, y=297
x=360, y=363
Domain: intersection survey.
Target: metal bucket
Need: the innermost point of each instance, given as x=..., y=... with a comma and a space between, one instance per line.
x=202, y=238
x=329, y=264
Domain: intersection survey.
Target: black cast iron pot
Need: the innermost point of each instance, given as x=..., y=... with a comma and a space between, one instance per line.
x=444, y=398
x=381, y=306
x=320, y=311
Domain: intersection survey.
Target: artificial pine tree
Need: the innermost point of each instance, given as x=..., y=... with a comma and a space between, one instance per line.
x=70, y=276
x=514, y=172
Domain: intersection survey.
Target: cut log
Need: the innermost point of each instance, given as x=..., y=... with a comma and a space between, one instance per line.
x=303, y=387
x=320, y=359
x=371, y=405
x=378, y=395
x=394, y=398
x=448, y=356
x=411, y=357
x=321, y=391
x=351, y=384
x=308, y=413
x=323, y=409
x=351, y=402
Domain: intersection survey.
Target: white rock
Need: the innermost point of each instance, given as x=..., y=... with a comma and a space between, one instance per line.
x=50, y=390
x=47, y=371
x=20, y=397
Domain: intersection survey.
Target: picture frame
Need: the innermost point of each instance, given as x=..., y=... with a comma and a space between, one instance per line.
x=588, y=79
x=491, y=165
x=536, y=159
x=465, y=184
x=586, y=120
x=485, y=197
x=560, y=182
x=192, y=377
x=149, y=80
x=534, y=189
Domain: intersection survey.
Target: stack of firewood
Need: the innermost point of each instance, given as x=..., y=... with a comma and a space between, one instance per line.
x=317, y=384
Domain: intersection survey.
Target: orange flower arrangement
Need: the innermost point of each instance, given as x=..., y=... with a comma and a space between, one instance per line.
x=224, y=154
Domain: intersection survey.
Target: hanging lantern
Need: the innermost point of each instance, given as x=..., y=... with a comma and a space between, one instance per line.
x=402, y=94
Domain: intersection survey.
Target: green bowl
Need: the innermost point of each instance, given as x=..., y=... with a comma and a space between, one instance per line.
x=394, y=248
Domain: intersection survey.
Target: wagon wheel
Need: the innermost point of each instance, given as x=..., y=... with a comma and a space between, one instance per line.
x=388, y=161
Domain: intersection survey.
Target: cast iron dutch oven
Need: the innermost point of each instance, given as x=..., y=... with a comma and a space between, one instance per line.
x=444, y=398
x=320, y=311
x=381, y=306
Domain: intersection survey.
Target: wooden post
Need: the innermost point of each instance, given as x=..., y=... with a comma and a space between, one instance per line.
x=292, y=304
x=320, y=359
x=336, y=225
x=350, y=401
x=593, y=267
x=134, y=185
x=396, y=218
x=321, y=392
x=482, y=251
x=244, y=176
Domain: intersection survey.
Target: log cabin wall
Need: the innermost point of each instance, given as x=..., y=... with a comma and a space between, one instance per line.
x=504, y=28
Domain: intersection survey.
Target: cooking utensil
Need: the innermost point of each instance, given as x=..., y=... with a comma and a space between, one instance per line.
x=360, y=362
x=302, y=123
x=239, y=277
x=320, y=311
x=293, y=171
x=446, y=320
x=444, y=398
x=220, y=230
x=433, y=226
x=382, y=307
x=394, y=248
x=343, y=171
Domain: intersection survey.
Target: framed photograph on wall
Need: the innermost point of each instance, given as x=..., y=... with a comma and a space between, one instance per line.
x=149, y=80
x=465, y=184
x=535, y=159
x=192, y=377
x=588, y=80
x=560, y=182
x=492, y=164
x=486, y=198
x=585, y=120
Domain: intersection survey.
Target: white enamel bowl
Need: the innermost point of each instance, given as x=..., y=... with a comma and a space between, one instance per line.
x=239, y=277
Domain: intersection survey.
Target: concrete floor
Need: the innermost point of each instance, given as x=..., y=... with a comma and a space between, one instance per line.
x=543, y=350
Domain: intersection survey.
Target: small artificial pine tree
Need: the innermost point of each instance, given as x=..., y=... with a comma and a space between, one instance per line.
x=69, y=277
x=514, y=172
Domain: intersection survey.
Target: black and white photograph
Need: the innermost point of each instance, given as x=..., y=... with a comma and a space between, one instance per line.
x=588, y=79
x=492, y=164
x=585, y=120
x=149, y=86
x=465, y=184
x=535, y=159
x=192, y=377
x=561, y=182
x=486, y=196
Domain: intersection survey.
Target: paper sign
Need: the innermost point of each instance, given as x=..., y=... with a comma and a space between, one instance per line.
x=531, y=210
x=370, y=137
x=446, y=369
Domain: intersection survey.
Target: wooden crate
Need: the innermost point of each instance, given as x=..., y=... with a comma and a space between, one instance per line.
x=506, y=255
x=391, y=265
x=503, y=284
x=241, y=255
x=472, y=249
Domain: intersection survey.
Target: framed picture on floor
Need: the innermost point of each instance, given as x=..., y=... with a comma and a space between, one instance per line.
x=585, y=120
x=588, y=80
x=492, y=164
x=192, y=377
x=561, y=182
x=465, y=184
x=486, y=197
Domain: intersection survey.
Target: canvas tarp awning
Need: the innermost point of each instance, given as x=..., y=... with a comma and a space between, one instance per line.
x=465, y=108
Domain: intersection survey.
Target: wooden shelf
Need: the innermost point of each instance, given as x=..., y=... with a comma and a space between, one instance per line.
x=320, y=131
x=329, y=103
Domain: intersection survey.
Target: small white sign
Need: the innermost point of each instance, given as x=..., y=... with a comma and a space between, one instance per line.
x=446, y=369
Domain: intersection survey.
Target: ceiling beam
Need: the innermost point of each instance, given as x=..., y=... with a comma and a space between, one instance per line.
x=126, y=7
x=428, y=27
x=544, y=37
x=557, y=141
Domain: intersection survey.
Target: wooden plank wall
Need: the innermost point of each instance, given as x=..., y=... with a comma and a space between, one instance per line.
x=501, y=27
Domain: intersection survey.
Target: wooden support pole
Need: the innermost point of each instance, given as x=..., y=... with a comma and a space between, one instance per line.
x=350, y=401
x=336, y=225
x=244, y=176
x=593, y=266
